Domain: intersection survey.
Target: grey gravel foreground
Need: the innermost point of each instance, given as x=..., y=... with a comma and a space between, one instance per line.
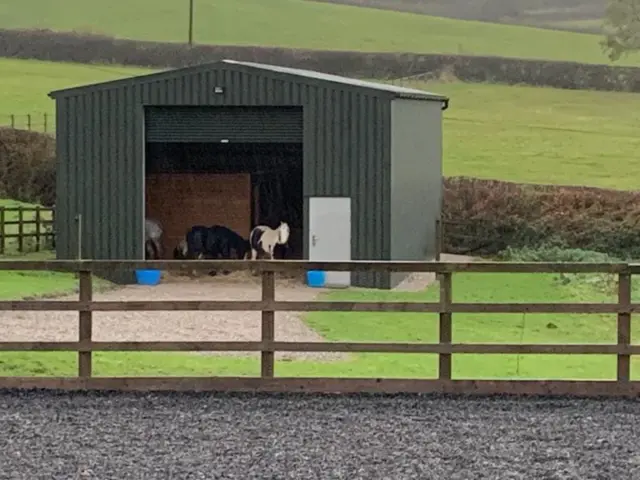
x=190, y=436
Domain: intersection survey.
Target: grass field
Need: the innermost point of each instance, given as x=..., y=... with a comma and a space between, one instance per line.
x=302, y=24
x=525, y=134
x=400, y=327
x=25, y=84
x=15, y=285
x=576, y=15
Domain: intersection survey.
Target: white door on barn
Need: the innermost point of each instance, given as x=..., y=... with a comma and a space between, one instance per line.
x=330, y=235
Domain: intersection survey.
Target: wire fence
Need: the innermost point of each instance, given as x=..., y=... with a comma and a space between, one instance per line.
x=35, y=122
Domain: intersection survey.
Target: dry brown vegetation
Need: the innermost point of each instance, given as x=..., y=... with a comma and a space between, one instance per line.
x=486, y=216
x=27, y=166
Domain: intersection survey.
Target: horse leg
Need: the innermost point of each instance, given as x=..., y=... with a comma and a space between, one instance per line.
x=213, y=273
x=226, y=255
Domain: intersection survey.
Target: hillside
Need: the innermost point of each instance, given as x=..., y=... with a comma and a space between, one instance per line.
x=302, y=24
x=523, y=134
x=572, y=15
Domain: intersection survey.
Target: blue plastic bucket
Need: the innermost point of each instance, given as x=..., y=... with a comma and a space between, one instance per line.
x=316, y=278
x=148, y=277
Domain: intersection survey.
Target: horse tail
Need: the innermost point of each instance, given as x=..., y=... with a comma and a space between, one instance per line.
x=254, y=238
x=155, y=249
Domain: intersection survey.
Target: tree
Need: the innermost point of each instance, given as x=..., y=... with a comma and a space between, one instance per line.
x=622, y=28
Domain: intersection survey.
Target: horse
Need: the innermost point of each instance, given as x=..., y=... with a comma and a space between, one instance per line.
x=226, y=240
x=264, y=239
x=212, y=242
x=152, y=239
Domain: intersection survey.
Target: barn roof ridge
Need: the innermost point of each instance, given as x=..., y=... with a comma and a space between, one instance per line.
x=400, y=92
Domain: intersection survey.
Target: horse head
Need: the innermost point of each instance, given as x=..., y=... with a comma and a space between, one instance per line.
x=283, y=233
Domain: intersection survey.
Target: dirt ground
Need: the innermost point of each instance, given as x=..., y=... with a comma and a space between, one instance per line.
x=188, y=325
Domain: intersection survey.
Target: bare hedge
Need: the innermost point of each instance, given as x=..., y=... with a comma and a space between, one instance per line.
x=84, y=48
x=484, y=217
x=27, y=166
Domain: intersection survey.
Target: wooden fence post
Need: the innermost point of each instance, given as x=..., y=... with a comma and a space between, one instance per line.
x=85, y=326
x=21, y=229
x=268, y=325
x=38, y=222
x=624, y=326
x=3, y=231
x=45, y=119
x=52, y=237
x=438, y=234
x=444, y=359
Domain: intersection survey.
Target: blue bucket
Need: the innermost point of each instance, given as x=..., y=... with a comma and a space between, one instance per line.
x=316, y=278
x=148, y=277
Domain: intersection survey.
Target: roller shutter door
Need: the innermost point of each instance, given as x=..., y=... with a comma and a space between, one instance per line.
x=220, y=124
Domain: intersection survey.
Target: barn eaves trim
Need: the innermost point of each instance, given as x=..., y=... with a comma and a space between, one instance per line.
x=396, y=91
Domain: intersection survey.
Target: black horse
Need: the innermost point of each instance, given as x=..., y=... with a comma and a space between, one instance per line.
x=215, y=242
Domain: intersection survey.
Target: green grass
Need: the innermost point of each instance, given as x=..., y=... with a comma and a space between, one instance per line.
x=302, y=24
x=542, y=135
x=15, y=285
x=399, y=327
x=25, y=84
x=517, y=133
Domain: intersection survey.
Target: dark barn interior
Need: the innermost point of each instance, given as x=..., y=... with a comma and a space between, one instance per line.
x=238, y=185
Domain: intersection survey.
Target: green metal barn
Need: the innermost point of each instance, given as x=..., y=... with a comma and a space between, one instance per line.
x=354, y=167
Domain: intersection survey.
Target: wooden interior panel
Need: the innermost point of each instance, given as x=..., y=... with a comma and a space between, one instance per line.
x=180, y=200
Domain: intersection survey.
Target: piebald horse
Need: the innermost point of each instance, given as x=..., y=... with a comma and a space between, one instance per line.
x=264, y=239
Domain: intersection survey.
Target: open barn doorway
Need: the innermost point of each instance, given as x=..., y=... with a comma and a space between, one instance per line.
x=238, y=185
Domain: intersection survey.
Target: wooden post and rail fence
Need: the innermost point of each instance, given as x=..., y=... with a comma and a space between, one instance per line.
x=25, y=228
x=445, y=348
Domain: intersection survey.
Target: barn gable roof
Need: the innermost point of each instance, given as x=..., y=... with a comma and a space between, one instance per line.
x=400, y=92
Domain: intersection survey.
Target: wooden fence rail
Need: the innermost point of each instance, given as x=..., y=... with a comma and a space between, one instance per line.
x=267, y=345
x=24, y=224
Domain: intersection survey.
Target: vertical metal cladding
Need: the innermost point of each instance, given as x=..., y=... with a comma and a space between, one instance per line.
x=101, y=149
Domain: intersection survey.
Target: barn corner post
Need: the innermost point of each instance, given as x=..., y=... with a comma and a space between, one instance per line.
x=267, y=359
x=445, y=325
x=623, y=373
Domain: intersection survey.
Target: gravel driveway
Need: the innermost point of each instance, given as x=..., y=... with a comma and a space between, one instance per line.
x=189, y=436
x=176, y=325
x=188, y=326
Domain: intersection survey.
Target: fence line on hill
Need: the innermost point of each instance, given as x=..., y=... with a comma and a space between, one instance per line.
x=25, y=225
x=267, y=346
x=34, y=122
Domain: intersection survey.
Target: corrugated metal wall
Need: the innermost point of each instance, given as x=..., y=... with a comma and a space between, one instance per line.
x=416, y=180
x=101, y=169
